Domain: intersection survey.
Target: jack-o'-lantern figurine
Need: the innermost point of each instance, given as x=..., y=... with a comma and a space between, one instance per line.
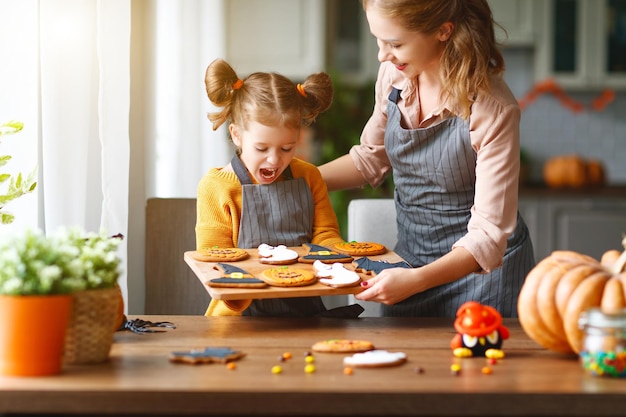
x=480, y=331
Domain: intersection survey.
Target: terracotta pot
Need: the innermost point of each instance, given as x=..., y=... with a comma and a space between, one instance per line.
x=94, y=320
x=32, y=335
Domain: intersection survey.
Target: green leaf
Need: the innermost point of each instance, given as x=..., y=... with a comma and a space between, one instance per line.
x=11, y=127
x=6, y=218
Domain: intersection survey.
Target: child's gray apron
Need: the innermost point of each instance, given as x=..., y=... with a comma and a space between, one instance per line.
x=280, y=213
x=434, y=171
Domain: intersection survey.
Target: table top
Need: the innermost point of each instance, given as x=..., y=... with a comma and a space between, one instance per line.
x=140, y=379
x=205, y=271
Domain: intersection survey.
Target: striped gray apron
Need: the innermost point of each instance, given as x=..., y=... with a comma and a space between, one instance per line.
x=434, y=171
x=280, y=213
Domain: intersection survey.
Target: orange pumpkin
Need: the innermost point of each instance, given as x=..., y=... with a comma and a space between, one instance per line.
x=562, y=286
x=572, y=171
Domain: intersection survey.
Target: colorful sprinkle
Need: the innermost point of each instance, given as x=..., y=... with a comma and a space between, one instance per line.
x=486, y=370
x=309, y=359
x=231, y=365
x=492, y=361
x=455, y=368
x=604, y=363
x=287, y=355
x=309, y=369
x=277, y=369
x=348, y=371
x=418, y=370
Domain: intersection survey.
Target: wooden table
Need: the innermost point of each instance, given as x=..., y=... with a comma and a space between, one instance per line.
x=139, y=379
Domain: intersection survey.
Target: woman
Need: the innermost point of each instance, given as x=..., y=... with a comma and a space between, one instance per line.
x=447, y=126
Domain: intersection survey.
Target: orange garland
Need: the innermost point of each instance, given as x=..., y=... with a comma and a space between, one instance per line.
x=550, y=86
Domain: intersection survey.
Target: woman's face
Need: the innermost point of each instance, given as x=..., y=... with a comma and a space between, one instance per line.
x=410, y=52
x=266, y=151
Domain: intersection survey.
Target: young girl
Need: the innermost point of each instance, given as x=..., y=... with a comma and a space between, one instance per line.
x=447, y=126
x=265, y=195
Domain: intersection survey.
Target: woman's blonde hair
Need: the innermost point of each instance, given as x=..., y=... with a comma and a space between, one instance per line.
x=267, y=98
x=471, y=53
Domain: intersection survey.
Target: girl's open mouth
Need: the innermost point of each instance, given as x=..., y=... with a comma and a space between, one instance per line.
x=268, y=174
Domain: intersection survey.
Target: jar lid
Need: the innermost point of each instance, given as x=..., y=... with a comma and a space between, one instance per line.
x=595, y=317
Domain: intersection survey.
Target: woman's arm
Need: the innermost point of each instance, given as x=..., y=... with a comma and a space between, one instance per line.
x=341, y=174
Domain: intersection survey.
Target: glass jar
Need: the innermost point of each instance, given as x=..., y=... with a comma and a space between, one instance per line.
x=603, y=351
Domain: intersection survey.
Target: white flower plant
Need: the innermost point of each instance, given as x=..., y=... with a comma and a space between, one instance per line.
x=17, y=185
x=65, y=262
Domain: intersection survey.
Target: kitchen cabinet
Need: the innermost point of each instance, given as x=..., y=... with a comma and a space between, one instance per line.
x=582, y=43
x=516, y=17
x=589, y=223
x=284, y=36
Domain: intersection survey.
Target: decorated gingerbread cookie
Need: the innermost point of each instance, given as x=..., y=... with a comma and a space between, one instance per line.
x=217, y=254
x=206, y=355
x=323, y=254
x=286, y=276
x=368, y=266
x=360, y=248
x=277, y=255
x=235, y=277
x=375, y=358
x=342, y=346
x=335, y=275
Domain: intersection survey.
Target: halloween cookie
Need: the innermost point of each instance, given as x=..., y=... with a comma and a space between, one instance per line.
x=285, y=276
x=207, y=355
x=342, y=346
x=217, y=254
x=368, y=266
x=360, y=248
x=323, y=254
x=335, y=275
x=374, y=359
x=277, y=255
x=234, y=277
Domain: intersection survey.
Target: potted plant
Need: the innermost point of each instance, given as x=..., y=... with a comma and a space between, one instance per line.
x=98, y=308
x=39, y=277
x=17, y=185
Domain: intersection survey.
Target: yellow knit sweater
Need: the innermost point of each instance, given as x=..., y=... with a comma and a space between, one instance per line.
x=219, y=214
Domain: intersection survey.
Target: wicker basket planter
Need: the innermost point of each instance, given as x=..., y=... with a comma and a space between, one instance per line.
x=93, y=322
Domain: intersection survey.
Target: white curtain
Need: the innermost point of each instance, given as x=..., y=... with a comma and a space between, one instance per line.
x=66, y=70
x=65, y=74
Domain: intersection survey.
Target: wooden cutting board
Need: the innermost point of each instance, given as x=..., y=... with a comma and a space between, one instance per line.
x=207, y=270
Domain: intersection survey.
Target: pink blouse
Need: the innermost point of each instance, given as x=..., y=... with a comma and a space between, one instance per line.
x=495, y=137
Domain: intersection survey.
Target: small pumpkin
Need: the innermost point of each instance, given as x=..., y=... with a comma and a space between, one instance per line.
x=573, y=171
x=562, y=286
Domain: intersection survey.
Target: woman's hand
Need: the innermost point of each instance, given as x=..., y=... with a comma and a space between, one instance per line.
x=391, y=286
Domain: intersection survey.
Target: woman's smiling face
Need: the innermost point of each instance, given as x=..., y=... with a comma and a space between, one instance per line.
x=266, y=151
x=410, y=52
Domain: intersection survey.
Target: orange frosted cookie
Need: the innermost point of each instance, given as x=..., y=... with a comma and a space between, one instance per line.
x=343, y=346
x=285, y=276
x=217, y=254
x=360, y=248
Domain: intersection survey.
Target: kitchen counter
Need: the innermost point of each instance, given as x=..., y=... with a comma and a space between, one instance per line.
x=140, y=380
x=540, y=190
